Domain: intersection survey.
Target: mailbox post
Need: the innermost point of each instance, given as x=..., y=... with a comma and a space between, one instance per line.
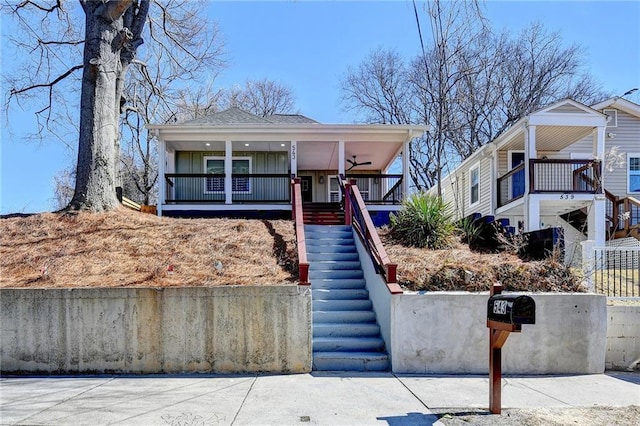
x=505, y=314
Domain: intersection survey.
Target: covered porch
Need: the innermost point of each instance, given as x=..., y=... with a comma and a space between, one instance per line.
x=243, y=168
x=550, y=164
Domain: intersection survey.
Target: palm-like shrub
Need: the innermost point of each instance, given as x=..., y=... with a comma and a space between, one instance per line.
x=423, y=221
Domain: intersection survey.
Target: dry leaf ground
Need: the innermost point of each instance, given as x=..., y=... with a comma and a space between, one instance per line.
x=124, y=248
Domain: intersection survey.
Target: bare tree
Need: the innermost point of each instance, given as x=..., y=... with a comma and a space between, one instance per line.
x=112, y=35
x=262, y=97
x=470, y=85
x=379, y=88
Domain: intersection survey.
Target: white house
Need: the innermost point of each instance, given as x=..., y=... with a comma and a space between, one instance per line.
x=555, y=167
x=236, y=163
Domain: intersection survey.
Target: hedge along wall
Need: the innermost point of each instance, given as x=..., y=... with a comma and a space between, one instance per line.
x=131, y=330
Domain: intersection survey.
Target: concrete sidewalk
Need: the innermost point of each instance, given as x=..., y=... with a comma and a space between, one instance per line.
x=317, y=398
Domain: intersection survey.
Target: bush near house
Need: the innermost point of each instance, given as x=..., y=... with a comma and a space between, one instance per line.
x=423, y=221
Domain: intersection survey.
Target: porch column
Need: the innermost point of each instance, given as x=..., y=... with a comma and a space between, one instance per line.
x=598, y=151
x=494, y=178
x=162, y=186
x=293, y=158
x=228, y=170
x=596, y=221
x=340, y=158
x=598, y=142
x=529, y=153
x=531, y=202
x=531, y=213
x=405, y=169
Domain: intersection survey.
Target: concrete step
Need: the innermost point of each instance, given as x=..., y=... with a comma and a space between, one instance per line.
x=328, y=228
x=341, y=305
x=335, y=265
x=339, y=294
x=343, y=316
x=330, y=248
x=349, y=241
x=338, y=274
x=348, y=344
x=337, y=284
x=350, y=361
x=346, y=330
x=323, y=257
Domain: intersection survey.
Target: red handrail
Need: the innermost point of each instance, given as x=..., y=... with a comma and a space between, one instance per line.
x=356, y=213
x=298, y=220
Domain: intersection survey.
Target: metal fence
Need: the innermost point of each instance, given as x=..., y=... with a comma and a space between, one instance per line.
x=616, y=271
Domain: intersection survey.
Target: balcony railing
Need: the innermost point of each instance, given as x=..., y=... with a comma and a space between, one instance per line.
x=550, y=176
x=245, y=188
x=378, y=188
x=578, y=176
x=511, y=186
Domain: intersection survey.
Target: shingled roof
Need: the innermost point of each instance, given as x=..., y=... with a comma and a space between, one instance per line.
x=238, y=116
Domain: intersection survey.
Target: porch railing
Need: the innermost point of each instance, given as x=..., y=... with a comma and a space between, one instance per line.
x=210, y=188
x=511, y=186
x=379, y=188
x=577, y=176
x=550, y=176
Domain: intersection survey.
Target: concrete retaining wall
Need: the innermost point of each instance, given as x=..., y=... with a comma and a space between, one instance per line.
x=129, y=330
x=446, y=333
x=623, y=336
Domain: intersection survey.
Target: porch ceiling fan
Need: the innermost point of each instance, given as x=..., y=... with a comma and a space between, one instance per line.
x=354, y=163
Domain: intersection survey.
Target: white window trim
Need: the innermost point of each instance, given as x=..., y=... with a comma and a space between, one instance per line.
x=471, y=169
x=329, y=191
x=365, y=194
x=614, y=117
x=204, y=167
x=629, y=156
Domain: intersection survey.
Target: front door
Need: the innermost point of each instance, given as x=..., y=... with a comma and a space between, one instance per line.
x=306, y=186
x=517, y=185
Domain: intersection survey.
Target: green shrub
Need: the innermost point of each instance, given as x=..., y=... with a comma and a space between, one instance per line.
x=423, y=221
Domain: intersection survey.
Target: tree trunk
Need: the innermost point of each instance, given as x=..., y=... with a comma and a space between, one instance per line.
x=107, y=43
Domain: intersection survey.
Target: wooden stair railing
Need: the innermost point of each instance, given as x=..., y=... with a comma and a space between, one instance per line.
x=298, y=220
x=392, y=190
x=356, y=214
x=624, y=222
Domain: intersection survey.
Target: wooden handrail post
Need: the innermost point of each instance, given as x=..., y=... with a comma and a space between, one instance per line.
x=347, y=203
x=295, y=181
x=627, y=208
x=495, y=364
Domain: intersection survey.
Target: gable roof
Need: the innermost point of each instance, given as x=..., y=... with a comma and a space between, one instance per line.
x=234, y=116
x=621, y=104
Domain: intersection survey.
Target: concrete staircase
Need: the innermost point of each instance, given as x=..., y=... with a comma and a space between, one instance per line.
x=346, y=336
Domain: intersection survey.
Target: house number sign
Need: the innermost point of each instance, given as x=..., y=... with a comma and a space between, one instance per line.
x=567, y=196
x=500, y=307
x=293, y=152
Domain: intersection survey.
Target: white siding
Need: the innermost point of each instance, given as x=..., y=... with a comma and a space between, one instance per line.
x=456, y=189
x=626, y=140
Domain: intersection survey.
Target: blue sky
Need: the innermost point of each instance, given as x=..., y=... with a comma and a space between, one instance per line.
x=309, y=45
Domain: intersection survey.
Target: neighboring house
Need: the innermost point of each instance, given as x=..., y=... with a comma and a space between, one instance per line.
x=547, y=171
x=234, y=163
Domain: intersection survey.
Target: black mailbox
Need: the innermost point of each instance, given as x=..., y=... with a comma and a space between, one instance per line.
x=511, y=309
